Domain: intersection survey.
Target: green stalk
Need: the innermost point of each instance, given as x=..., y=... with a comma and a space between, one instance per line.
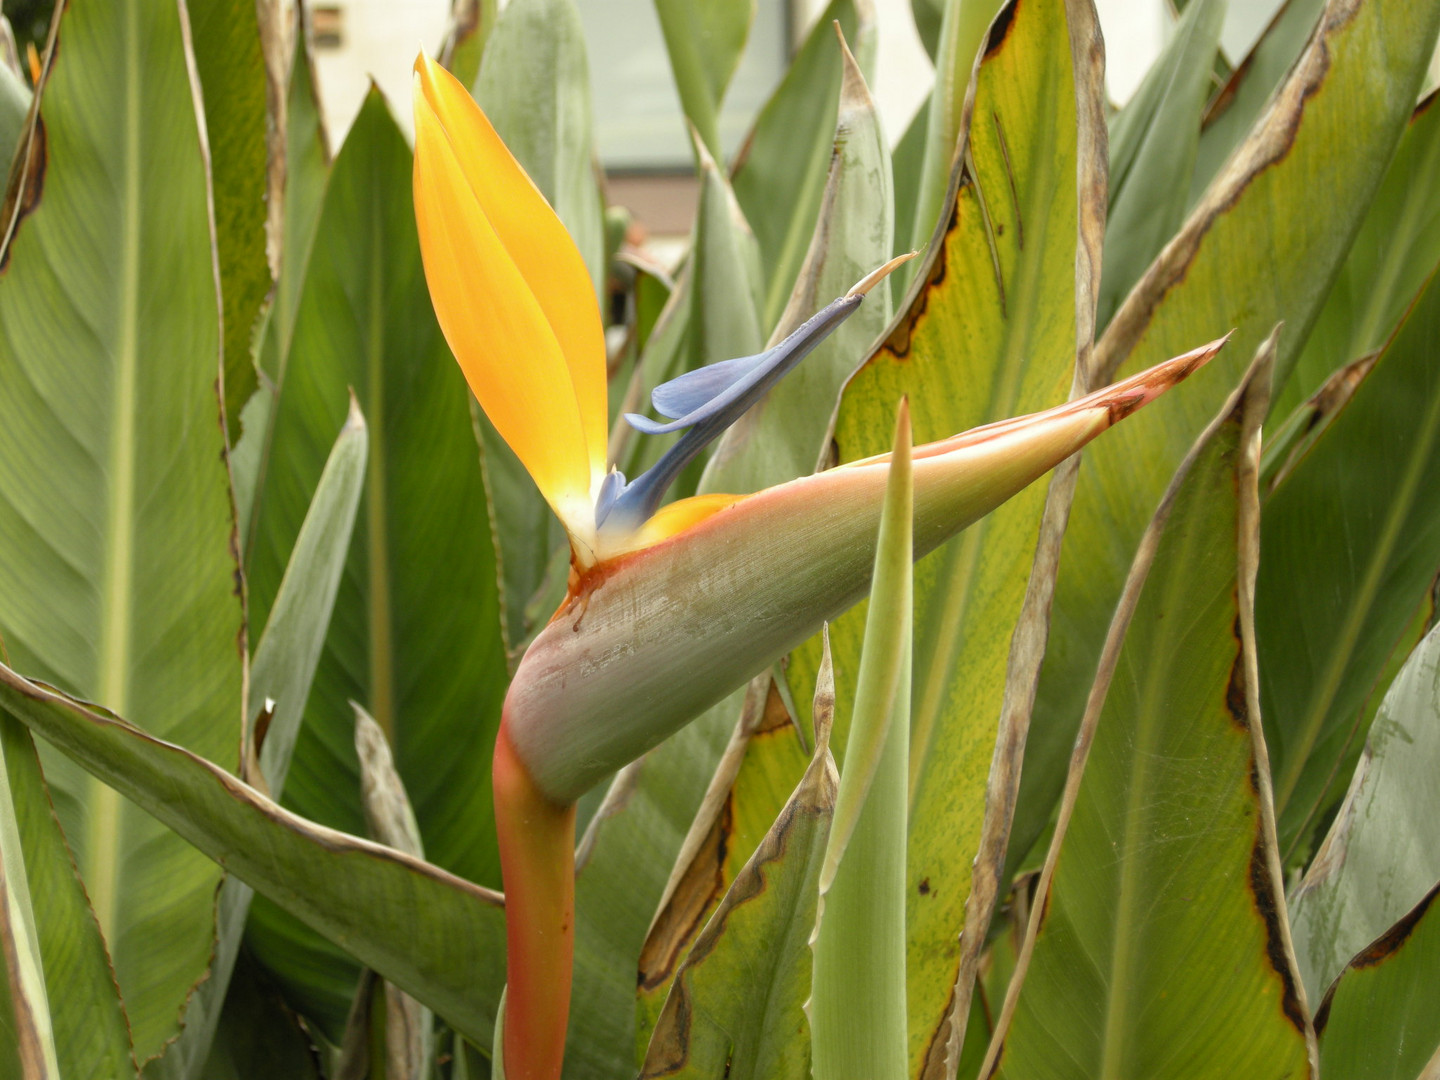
x=857, y=1004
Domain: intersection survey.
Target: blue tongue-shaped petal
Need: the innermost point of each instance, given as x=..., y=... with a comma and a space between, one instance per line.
x=726, y=389
x=682, y=396
x=709, y=400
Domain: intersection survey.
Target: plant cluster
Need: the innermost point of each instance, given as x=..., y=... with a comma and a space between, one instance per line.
x=846, y=721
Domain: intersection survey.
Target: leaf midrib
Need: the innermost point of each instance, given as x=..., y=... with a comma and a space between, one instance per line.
x=105, y=807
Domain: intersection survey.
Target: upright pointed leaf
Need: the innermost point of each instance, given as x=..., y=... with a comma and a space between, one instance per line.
x=705, y=39
x=1396, y=251
x=117, y=575
x=992, y=328
x=1378, y=1021
x=433, y=934
x=91, y=1035
x=736, y=1004
x=226, y=35
x=779, y=171
x=416, y=631
x=1251, y=254
x=962, y=31
x=280, y=677
x=1152, y=152
x=857, y=1000
x=1238, y=106
x=1381, y=856
x=747, y=795
x=1361, y=539
x=1158, y=945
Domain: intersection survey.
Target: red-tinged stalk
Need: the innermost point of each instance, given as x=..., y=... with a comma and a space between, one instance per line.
x=537, y=858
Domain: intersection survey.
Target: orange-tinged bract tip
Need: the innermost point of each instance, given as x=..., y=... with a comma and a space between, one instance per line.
x=512, y=296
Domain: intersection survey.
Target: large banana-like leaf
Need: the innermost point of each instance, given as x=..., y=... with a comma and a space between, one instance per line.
x=1381, y=856
x=962, y=34
x=252, y=1005
x=621, y=871
x=1252, y=253
x=1393, y=256
x=535, y=87
x=1152, y=152
x=436, y=936
x=779, y=171
x=1379, y=1021
x=1352, y=543
x=284, y=665
x=705, y=39
x=228, y=58
x=747, y=795
x=715, y=1018
x=117, y=568
x=416, y=632
x=307, y=167
x=1158, y=945
x=990, y=331
x=63, y=1011
x=1238, y=105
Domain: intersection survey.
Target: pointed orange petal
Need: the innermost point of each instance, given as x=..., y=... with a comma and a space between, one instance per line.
x=536, y=241
x=496, y=328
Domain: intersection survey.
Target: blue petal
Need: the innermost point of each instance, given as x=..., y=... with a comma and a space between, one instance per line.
x=687, y=393
x=738, y=384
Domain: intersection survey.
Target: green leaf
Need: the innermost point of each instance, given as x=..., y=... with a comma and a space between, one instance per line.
x=280, y=677
x=736, y=1005
x=535, y=86
x=307, y=167
x=27, y=1032
x=117, y=579
x=1237, y=108
x=906, y=161
x=1378, y=1022
x=705, y=39
x=962, y=31
x=1152, y=152
x=416, y=631
x=779, y=172
x=1393, y=256
x=1156, y=945
x=1352, y=543
x=857, y=1003
x=784, y=435
x=91, y=1034
x=622, y=865
x=974, y=347
x=928, y=15
x=1251, y=254
x=748, y=792
x=434, y=935
x=1380, y=857
x=470, y=24
x=231, y=67
x=254, y=1005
